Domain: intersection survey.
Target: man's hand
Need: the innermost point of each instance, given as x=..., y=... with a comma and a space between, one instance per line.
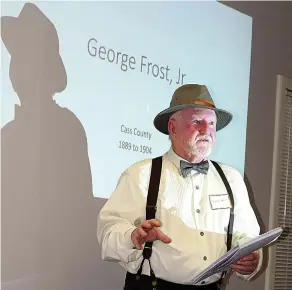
x=148, y=232
x=246, y=265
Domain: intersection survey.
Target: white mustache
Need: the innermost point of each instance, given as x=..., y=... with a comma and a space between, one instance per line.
x=205, y=138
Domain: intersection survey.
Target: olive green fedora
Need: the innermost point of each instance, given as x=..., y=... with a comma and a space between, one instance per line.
x=191, y=95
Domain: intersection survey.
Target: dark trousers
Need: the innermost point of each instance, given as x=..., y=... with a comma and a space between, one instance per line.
x=145, y=283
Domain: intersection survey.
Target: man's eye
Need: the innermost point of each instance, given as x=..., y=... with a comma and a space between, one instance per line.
x=196, y=121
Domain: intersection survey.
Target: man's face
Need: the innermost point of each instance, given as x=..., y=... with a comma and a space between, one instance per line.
x=194, y=132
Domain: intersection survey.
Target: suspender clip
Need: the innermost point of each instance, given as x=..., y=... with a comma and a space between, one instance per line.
x=147, y=251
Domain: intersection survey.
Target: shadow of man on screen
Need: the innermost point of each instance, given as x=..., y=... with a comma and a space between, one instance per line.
x=48, y=209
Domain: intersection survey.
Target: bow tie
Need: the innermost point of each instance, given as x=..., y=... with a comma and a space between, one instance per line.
x=186, y=167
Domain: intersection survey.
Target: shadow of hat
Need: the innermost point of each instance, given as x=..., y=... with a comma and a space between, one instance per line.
x=32, y=34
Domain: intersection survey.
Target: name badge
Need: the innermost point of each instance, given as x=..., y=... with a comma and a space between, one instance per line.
x=220, y=201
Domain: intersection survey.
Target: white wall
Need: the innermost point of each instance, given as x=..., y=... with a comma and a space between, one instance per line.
x=33, y=225
x=271, y=55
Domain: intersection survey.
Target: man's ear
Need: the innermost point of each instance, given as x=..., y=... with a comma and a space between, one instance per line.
x=171, y=127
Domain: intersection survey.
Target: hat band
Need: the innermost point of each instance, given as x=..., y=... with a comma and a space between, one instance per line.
x=198, y=102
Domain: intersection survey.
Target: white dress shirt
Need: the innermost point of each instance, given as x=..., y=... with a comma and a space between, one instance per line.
x=186, y=208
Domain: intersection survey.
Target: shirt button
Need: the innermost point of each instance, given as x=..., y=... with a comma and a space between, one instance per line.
x=201, y=233
x=197, y=187
x=205, y=258
x=198, y=211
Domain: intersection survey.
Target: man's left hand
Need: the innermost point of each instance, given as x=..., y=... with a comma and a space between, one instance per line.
x=246, y=265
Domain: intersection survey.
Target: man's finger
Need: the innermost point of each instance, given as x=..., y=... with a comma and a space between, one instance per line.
x=247, y=258
x=250, y=257
x=141, y=232
x=248, y=262
x=163, y=238
x=155, y=223
x=245, y=270
x=137, y=242
x=149, y=224
x=146, y=225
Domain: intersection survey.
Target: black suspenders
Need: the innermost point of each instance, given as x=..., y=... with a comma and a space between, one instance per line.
x=231, y=217
x=151, y=211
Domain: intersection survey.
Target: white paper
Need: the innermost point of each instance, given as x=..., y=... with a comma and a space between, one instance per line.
x=238, y=252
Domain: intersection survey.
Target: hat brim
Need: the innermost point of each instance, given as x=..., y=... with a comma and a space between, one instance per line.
x=161, y=120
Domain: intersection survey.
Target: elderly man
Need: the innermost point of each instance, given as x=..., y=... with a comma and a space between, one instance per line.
x=196, y=209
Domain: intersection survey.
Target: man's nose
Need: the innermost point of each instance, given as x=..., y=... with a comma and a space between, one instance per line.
x=204, y=128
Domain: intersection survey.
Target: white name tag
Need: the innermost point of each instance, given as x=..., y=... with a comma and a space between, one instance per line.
x=220, y=201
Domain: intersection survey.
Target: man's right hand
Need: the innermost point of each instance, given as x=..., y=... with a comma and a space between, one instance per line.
x=148, y=232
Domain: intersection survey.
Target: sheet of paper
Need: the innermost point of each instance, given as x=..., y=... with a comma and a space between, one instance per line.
x=238, y=252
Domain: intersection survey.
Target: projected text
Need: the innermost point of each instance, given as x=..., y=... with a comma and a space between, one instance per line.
x=125, y=145
x=136, y=132
x=126, y=62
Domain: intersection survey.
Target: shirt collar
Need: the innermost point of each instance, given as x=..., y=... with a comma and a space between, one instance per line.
x=175, y=159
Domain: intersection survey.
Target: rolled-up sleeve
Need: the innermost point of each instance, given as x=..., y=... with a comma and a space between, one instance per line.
x=116, y=220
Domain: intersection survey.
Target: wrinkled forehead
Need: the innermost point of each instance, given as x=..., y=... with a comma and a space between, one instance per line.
x=199, y=113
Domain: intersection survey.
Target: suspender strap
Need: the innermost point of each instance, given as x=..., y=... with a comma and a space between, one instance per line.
x=152, y=198
x=153, y=187
x=231, y=218
x=151, y=210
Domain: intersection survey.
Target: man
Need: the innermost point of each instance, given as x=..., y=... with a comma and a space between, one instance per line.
x=190, y=227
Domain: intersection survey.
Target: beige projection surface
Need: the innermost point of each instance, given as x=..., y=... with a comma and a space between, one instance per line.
x=60, y=159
